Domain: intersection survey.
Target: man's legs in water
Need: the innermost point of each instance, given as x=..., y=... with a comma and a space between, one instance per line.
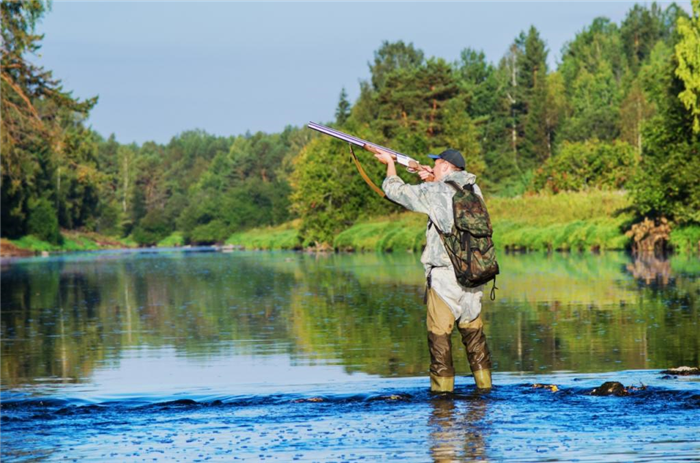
x=440, y=323
x=478, y=353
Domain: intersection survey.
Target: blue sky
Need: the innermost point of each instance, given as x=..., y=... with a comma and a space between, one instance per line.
x=160, y=68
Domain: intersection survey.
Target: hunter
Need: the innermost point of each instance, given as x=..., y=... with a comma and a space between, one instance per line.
x=448, y=302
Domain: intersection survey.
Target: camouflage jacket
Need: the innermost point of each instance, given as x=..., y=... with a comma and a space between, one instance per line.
x=435, y=200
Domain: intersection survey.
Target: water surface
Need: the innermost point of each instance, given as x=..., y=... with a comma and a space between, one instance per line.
x=197, y=354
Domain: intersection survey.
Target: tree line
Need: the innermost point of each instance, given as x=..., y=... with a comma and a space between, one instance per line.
x=621, y=110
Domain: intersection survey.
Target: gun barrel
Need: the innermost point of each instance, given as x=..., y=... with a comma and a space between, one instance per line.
x=401, y=158
x=337, y=134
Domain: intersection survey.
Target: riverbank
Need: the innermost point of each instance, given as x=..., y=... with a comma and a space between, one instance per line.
x=568, y=221
x=72, y=241
x=586, y=221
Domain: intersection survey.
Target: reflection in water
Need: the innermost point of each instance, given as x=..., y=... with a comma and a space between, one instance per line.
x=66, y=318
x=458, y=434
x=650, y=269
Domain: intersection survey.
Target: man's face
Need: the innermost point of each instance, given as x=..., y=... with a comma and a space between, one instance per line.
x=441, y=169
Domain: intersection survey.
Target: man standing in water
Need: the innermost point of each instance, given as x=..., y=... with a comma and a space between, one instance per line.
x=448, y=301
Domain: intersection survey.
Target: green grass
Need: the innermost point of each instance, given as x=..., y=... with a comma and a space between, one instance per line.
x=567, y=221
x=545, y=209
x=686, y=239
x=72, y=241
x=173, y=240
x=404, y=232
x=592, y=220
x=79, y=243
x=599, y=234
x=284, y=236
x=34, y=244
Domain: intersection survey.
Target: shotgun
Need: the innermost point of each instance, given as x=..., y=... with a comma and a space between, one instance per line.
x=411, y=164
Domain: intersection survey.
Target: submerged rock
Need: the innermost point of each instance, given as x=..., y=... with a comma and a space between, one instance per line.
x=682, y=371
x=551, y=387
x=610, y=388
x=310, y=399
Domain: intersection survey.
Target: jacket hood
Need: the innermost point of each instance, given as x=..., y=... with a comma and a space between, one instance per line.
x=461, y=177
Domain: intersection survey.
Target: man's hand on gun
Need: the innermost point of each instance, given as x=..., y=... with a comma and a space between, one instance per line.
x=383, y=156
x=426, y=174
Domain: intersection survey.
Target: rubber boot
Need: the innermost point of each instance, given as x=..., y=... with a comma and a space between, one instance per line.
x=482, y=378
x=478, y=353
x=441, y=383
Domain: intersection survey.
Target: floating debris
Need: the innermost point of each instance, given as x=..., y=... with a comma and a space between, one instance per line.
x=551, y=387
x=682, y=371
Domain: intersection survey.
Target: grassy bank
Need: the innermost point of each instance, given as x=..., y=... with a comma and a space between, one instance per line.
x=284, y=236
x=403, y=232
x=686, y=240
x=568, y=221
x=72, y=241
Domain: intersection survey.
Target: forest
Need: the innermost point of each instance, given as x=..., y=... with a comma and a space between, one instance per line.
x=619, y=113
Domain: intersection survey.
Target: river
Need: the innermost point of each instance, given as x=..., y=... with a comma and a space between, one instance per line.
x=191, y=354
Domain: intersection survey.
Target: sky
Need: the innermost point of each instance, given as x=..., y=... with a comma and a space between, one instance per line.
x=160, y=68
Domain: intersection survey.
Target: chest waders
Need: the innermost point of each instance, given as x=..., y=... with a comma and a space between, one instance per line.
x=440, y=323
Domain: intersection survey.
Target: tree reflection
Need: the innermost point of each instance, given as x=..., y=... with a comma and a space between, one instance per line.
x=64, y=317
x=650, y=268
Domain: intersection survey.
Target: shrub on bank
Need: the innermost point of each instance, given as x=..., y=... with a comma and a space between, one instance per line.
x=172, y=240
x=686, y=239
x=213, y=232
x=583, y=165
x=152, y=228
x=43, y=221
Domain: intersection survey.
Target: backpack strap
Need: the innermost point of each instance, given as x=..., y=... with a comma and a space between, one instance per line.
x=454, y=185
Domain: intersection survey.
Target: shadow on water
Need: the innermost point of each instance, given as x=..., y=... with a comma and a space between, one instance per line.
x=188, y=355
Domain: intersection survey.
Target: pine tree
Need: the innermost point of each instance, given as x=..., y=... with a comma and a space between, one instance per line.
x=342, y=111
x=392, y=57
x=35, y=110
x=534, y=146
x=593, y=67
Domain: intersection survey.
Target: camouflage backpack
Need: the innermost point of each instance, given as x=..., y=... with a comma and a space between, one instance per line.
x=469, y=243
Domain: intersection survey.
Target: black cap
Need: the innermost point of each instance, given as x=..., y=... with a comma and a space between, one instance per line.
x=454, y=157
